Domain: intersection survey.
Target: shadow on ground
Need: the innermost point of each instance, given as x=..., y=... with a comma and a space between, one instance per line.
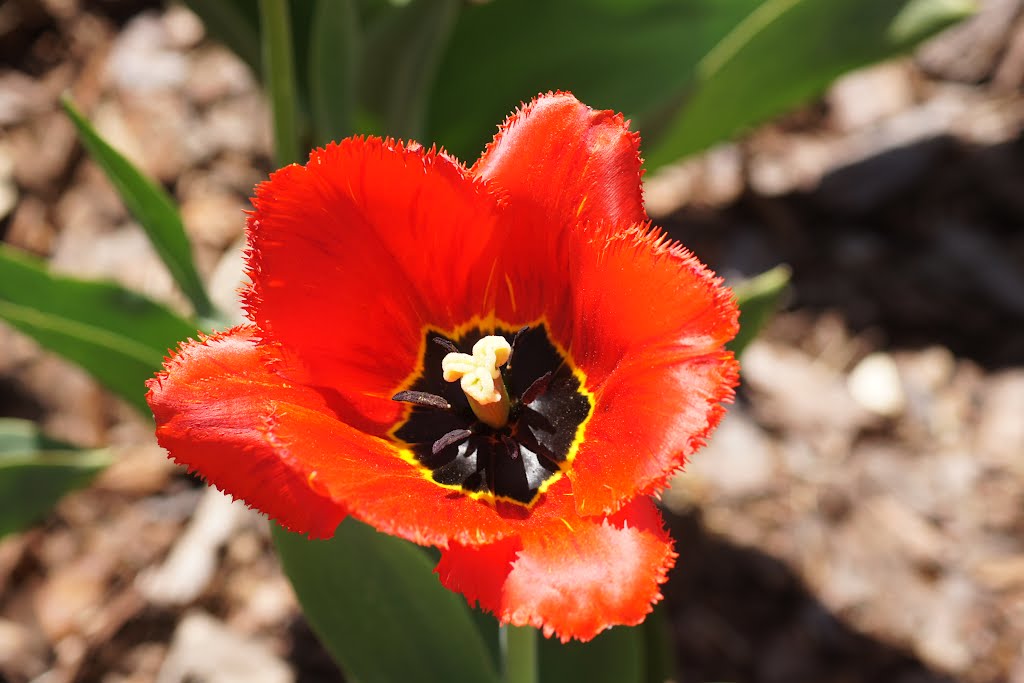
x=741, y=615
x=737, y=615
x=920, y=245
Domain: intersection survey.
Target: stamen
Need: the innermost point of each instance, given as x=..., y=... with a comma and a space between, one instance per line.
x=452, y=437
x=447, y=344
x=515, y=340
x=511, y=446
x=422, y=398
x=538, y=387
x=480, y=377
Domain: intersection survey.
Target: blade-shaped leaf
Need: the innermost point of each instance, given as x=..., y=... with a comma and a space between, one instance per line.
x=36, y=471
x=117, y=335
x=920, y=19
x=151, y=206
x=758, y=298
x=279, y=77
x=787, y=51
x=615, y=656
x=380, y=610
x=488, y=628
x=335, y=47
x=403, y=50
x=659, y=656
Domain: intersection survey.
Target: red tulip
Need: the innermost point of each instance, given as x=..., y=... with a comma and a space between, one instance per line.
x=600, y=366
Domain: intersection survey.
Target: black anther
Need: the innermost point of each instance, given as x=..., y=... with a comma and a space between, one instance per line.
x=538, y=387
x=422, y=398
x=452, y=437
x=447, y=344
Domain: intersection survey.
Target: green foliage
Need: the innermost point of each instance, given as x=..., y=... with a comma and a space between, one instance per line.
x=758, y=298
x=690, y=72
x=784, y=53
x=628, y=55
x=335, y=50
x=279, y=73
x=659, y=655
x=117, y=335
x=919, y=19
x=615, y=656
x=402, y=51
x=151, y=206
x=36, y=471
x=379, y=609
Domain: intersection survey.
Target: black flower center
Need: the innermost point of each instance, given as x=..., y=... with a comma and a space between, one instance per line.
x=517, y=462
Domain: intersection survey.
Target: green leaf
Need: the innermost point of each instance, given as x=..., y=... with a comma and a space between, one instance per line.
x=335, y=47
x=236, y=23
x=151, y=206
x=694, y=71
x=786, y=52
x=615, y=656
x=380, y=610
x=920, y=19
x=36, y=471
x=117, y=335
x=488, y=628
x=659, y=652
x=758, y=298
x=635, y=56
x=403, y=50
x=279, y=76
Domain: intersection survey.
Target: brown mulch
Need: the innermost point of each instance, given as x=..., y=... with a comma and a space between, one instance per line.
x=859, y=516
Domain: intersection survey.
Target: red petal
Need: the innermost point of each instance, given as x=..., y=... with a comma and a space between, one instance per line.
x=215, y=406
x=637, y=293
x=651, y=416
x=222, y=411
x=560, y=158
x=571, y=582
x=647, y=324
x=650, y=325
x=479, y=572
x=353, y=253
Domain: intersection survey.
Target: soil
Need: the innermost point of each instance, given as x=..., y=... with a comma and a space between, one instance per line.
x=858, y=516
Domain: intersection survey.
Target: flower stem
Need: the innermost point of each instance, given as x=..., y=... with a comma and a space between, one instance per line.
x=519, y=651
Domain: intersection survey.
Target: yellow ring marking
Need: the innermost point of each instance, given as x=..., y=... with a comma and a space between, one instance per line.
x=477, y=322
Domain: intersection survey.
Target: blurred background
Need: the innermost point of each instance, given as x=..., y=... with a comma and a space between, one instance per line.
x=858, y=516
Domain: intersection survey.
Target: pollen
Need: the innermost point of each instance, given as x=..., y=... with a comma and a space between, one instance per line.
x=480, y=377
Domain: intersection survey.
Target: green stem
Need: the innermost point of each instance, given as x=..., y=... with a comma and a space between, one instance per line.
x=519, y=651
x=279, y=72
